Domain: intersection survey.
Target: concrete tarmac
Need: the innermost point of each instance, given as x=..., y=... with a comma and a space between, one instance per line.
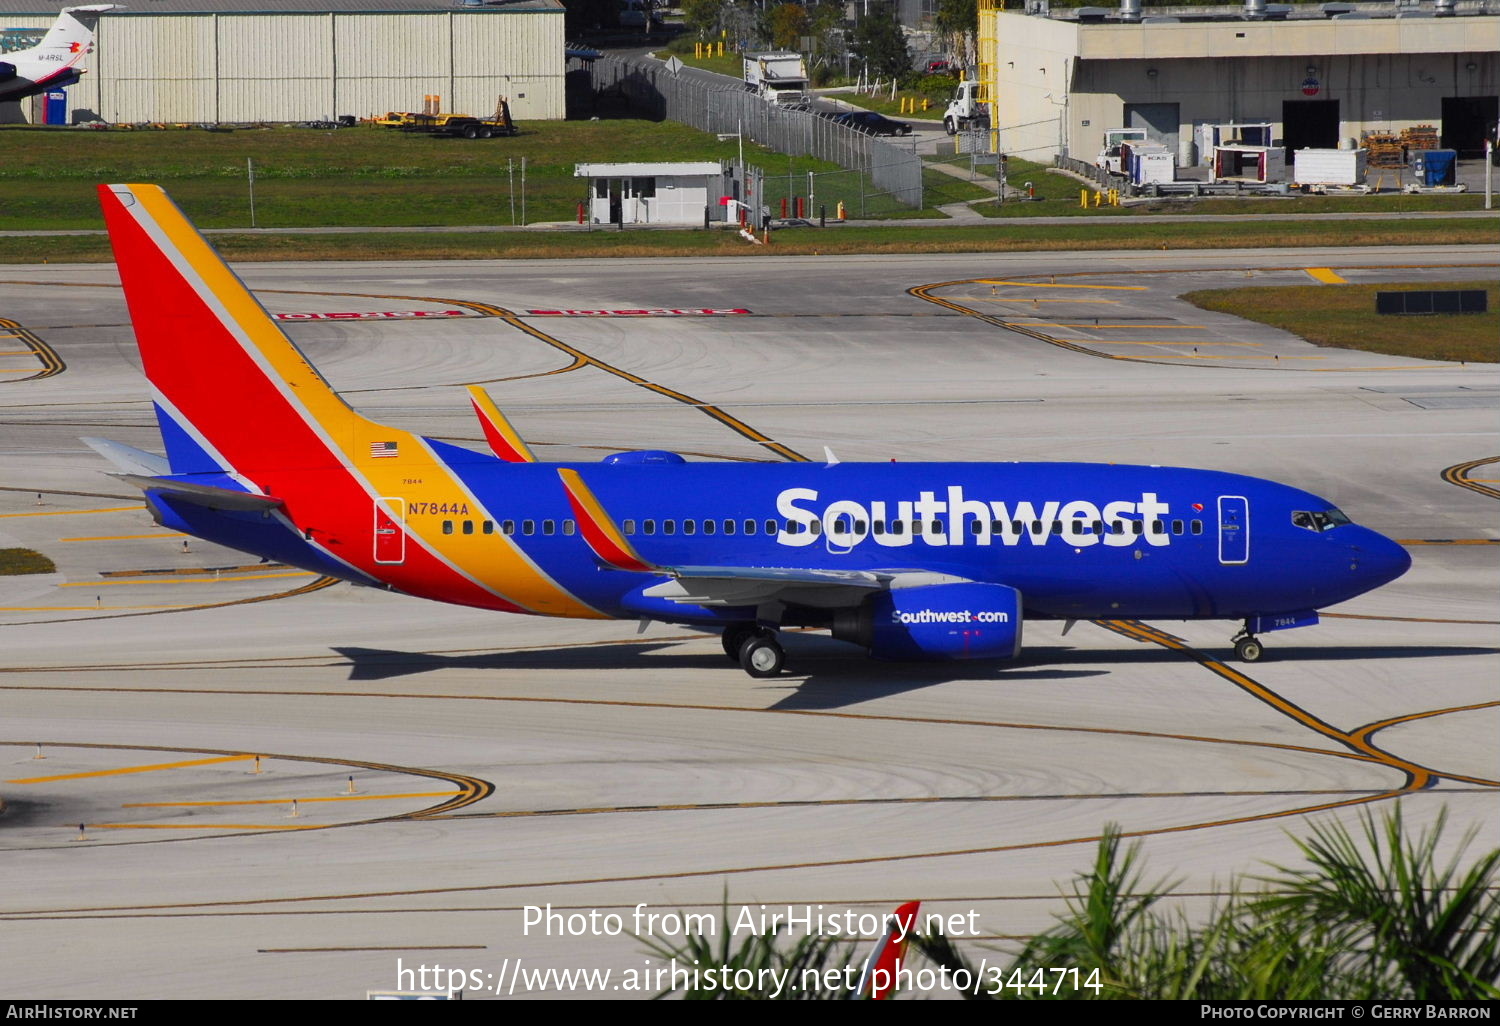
x=290, y=788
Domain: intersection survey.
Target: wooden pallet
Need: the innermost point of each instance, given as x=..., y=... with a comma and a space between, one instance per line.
x=1385, y=149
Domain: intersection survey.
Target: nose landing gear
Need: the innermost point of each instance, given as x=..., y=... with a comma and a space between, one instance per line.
x=1247, y=647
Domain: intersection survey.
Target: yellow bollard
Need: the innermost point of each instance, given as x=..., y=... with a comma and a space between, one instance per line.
x=1083, y=198
x=351, y=785
x=926, y=103
x=721, y=48
x=1098, y=198
x=841, y=210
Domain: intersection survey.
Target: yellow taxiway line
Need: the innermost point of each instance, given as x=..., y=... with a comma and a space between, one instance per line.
x=288, y=801
x=120, y=537
x=206, y=826
x=182, y=580
x=75, y=512
x=132, y=769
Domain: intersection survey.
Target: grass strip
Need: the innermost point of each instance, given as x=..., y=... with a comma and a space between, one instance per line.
x=1344, y=317
x=14, y=562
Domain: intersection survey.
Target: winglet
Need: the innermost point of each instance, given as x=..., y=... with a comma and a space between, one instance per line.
x=504, y=439
x=598, y=528
x=884, y=964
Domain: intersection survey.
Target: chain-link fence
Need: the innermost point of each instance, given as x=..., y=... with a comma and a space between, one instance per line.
x=654, y=92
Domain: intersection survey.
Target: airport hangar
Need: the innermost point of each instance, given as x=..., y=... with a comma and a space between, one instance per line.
x=1320, y=74
x=304, y=60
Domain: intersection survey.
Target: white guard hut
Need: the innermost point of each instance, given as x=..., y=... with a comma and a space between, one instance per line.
x=669, y=193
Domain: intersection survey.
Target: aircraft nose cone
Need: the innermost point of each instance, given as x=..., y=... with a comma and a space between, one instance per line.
x=1379, y=559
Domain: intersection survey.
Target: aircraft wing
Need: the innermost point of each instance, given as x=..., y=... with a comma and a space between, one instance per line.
x=756, y=585
x=731, y=585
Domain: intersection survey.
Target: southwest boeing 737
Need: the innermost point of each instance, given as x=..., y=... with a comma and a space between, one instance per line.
x=908, y=561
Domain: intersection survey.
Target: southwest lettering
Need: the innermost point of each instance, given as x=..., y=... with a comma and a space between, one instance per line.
x=957, y=519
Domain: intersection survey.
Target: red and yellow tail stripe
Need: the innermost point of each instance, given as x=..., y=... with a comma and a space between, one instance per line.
x=598, y=528
x=230, y=371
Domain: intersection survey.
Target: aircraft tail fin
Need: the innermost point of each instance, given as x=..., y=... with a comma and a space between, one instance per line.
x=233, y=394
x=73, y=31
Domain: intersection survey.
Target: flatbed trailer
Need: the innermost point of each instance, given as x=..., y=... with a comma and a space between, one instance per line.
x=453, y=125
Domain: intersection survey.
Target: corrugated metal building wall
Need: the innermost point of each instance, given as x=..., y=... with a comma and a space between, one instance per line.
x=300, y=66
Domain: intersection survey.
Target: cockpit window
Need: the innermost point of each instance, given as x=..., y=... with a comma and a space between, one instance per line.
x=1319, y=520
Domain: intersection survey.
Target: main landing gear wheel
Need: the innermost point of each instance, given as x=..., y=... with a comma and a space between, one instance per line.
x=762, y=656
x=735, y=636
x=1248, y=649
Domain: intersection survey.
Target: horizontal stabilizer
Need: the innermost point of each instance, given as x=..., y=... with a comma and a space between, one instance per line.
x=207, y=496
x=128, y=458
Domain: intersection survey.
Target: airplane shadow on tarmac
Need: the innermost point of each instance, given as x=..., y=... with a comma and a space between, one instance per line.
x=824, y=674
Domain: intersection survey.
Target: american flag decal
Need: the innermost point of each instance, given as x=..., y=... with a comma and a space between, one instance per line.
x=378, y=449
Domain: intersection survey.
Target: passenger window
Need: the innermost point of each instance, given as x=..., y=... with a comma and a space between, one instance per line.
x=1118, y=527
x=749, y=526
x=880, y=527
x=507, y=527
x=729, y=527
x=489, y=527
x=1098, y=527
x=816, y=527
x=1197, y=527
x=997, y=527
x=898, y=527
x=567, y=527
x=468, y=527
x=1057, y=527
x=841, y=525
x=447, y=527
x=628, y=526
x=1158, y=527
x=859, y=528
x=770, y=527
x=709, y=527
x=648, y=526
x=689, y=526
x=528, y=527
x=669, y=527
x=1177, y=527
x=976, y=527
x=1016, y=527
x=1137, y=526
x=548, y=527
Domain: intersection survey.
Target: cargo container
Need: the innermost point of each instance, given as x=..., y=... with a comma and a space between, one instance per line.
x=1329, y=167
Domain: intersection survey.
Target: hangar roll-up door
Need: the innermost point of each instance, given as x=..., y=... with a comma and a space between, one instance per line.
x=1160, y=120
x=1310, y=124
x=1466, y=119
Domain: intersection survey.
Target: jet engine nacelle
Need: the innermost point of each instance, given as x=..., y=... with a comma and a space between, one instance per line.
x=937, y=621
x=7, y=70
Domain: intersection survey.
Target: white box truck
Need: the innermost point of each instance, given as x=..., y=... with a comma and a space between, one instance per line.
x=779, y=78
